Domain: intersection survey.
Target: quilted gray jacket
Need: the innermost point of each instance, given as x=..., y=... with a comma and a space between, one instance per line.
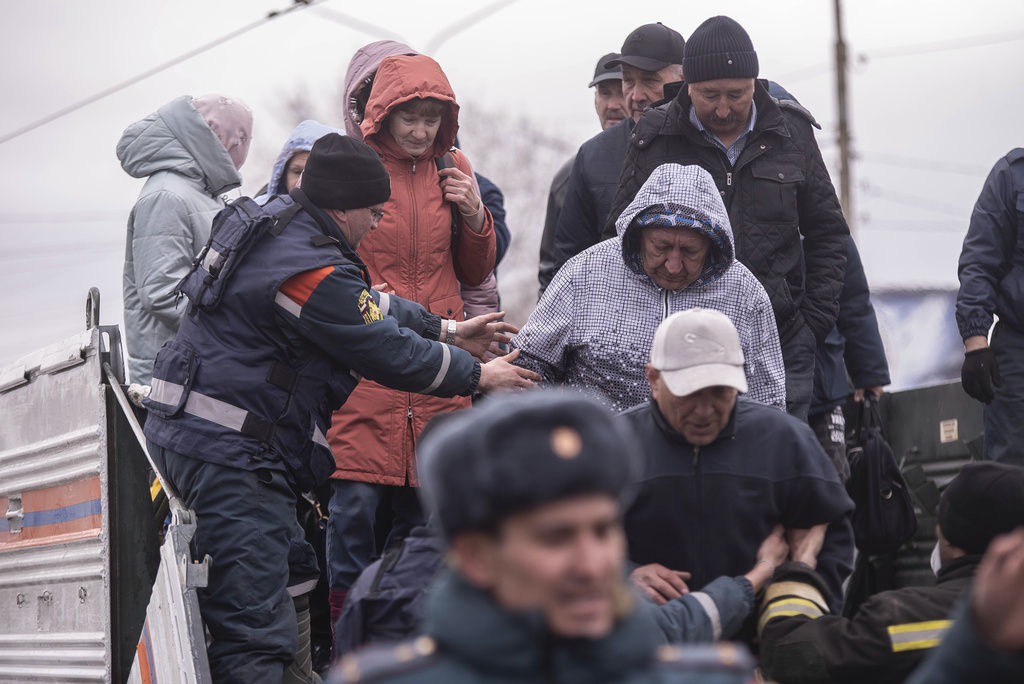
x=778, y=191
x=594, y=325
x=188, y=169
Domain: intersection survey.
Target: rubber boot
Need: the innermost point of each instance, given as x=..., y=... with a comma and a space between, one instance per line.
x=301, y=669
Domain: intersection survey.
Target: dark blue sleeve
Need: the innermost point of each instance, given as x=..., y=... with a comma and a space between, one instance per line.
x=494, y=200
x=987, y=252
x=577, y=227
x=864, y=355
x=344, y=320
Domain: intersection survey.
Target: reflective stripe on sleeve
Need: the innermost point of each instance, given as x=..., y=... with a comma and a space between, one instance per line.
x=446, y=362
x=288, y=304
x=788, y=607
x=385, y=303
x=915, y=636
x=711, y=608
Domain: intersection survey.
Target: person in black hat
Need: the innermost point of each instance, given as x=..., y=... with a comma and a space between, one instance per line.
x=894, y=630
x=650, y=59
x=611, y=109
x=282, y=325
x=766, y=163
x=528, y=492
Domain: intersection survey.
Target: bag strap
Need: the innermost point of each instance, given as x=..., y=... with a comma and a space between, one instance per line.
x=447, y=161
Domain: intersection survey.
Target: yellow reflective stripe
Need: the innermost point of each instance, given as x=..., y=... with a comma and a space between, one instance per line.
x=788, y=607
x=915, y=636
x=154, y=489
x=806, y=591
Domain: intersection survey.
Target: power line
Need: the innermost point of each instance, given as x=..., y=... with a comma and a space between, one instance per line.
x=297, y=4
x=358, y=24
x=905, y=51
x=943, y=46
x=925, y=164
x=917, y=202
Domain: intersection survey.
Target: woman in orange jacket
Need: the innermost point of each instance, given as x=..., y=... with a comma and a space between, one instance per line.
x=435, y=233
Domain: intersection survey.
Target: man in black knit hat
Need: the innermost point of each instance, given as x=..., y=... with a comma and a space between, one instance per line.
x=765, y=161
x=282, y=324
x=894, y=630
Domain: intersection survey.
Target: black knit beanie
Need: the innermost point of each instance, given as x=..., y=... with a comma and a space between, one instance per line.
x=344, y=173
x=986, y=499
x=719, y=48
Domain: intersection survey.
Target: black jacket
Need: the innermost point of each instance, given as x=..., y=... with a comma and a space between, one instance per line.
x=706, y=510
x=854, y=346
x=882, y=644
x=778, y=191
x=595, y=175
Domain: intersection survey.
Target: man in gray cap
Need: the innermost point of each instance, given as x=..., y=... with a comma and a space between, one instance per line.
x=528, y=492
x=892, y=632
x=766, y=164
x=651, y=57
x=611, y=109
x=744, y=467
x=282, y=324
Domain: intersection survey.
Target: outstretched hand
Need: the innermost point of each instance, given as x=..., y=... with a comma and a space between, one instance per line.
x=500, y=374
x=482, y=334
x=804, y=545
x=772, y=553
x=660, y=584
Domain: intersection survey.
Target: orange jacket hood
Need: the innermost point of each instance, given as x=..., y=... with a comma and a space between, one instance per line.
x=403, y=78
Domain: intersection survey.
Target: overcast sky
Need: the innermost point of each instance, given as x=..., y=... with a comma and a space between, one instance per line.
x=935, y=87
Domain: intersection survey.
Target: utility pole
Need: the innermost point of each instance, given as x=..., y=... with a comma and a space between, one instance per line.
x=845, y=194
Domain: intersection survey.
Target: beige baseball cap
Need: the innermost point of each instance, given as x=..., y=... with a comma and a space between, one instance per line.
x=698, y=348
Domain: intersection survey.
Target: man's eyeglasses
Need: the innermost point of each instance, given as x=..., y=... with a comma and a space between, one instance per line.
x=377, y=215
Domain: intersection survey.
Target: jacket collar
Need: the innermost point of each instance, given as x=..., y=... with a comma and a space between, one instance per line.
x=769, y=115
x=467, y=624
x=329, y=228
x=958, y=568
x=677, y=438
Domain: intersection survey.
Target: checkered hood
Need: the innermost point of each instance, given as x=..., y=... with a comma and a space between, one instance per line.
x=677, y=195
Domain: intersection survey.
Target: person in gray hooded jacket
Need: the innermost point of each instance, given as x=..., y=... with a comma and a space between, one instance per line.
x=191, y=150
x=674, y=251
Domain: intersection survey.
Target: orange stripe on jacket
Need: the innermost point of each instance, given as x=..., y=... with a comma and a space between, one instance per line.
x=300, y=286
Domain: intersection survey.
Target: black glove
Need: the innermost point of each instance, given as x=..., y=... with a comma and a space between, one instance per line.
x=979, y=373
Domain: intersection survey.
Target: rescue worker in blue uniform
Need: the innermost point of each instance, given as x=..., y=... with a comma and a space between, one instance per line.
x=279, y=330
x=528, y=492
x=992, y=282
x=892, y=632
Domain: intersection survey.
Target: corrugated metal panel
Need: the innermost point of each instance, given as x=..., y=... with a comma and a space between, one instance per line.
x=54, y=560
x=172, y=647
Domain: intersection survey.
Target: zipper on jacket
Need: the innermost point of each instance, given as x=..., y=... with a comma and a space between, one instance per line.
x=699, y=486
x=414, y=166
x=728, y=178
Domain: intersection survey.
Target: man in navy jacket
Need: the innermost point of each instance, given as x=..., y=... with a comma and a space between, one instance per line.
x=992, y=282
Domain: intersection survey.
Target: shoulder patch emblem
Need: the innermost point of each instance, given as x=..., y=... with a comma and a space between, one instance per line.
x=368, y=308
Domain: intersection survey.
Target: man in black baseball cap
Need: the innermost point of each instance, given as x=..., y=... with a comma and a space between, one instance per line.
x=528, y=492
x=651, y=57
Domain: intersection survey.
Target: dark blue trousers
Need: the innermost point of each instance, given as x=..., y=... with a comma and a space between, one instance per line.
x=246, y=522
x=798, y=356
x=351, y=534
x=1004, y=417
